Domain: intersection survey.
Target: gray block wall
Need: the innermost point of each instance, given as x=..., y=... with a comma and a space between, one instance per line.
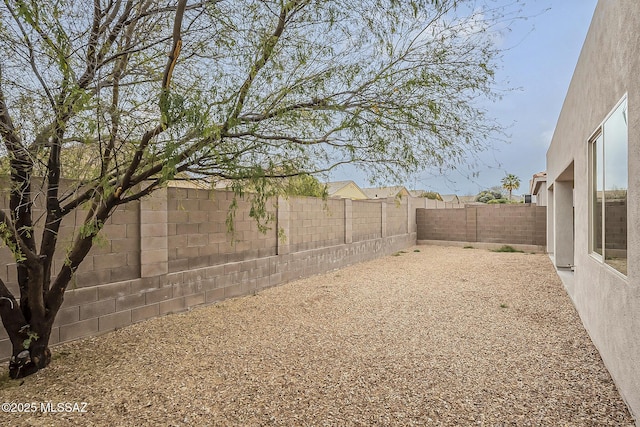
x=508, y=224
x=172, y=251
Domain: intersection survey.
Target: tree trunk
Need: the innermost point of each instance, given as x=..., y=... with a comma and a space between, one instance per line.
x=29, y=332
x=25, y=362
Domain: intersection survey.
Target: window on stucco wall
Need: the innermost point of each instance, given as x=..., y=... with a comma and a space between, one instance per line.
x=608, y=160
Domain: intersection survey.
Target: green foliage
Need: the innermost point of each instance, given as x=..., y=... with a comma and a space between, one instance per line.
x=305, y=185
x=432, y=195
x=282, y=235
x=9, y=239
x=497, y=201
x=488, y=195
x=90, y=229
x=31, y=336
x=260, y=191
x=343, y=84
x=507, y=248
x=510, y=183
x=231, y=214
x=259, y=194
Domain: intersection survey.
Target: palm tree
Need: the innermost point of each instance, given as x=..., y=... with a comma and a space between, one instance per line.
x=510, y=183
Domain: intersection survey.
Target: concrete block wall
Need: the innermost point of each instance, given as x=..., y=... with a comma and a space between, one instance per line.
x=154, y=249
x=438, y=204
x=442, y=224
x=518, y=224
x=316, y=223
x=396, y=217
x=181, y=255
x=615, y=224
x=509, y=224
x=198, y=235
x=114, y=257
x=367, y=219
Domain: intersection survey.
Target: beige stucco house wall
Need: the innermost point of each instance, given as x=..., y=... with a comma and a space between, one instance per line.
x=538, y=188
x=608, y=301
x=450, y=198
x=386, y=192
x=345, y=190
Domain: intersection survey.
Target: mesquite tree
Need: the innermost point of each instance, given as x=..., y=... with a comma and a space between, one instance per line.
x=122, y=95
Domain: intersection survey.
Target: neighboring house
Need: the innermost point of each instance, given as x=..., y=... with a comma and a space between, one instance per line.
x=183, y=180
x=538, y=188
x=467, y=199
x=189, y=183
x=386, y=192
x=345, y=190
x=450, y=198
x=593, y=191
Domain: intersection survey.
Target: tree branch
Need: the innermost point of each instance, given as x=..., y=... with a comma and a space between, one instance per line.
x=267, y=51
x=32, y=62
x=10, y=237
x=12, y=317
x=166, y=81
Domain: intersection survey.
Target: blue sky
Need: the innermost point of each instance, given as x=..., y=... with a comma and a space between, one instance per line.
x=542, y=52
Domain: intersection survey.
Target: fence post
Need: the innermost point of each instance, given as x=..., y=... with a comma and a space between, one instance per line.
x=348, y=221
x=383, y=218
x=154, y=247
x=409, y=222
x=472, y=224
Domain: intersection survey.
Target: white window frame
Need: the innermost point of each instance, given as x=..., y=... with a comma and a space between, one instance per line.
x=599, y=132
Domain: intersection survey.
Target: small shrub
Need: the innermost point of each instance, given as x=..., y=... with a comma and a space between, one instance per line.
x=416, y=250
x=468, y=247
x=497, y=202
x=432, y=195
x=507, y=248
x=503, y=305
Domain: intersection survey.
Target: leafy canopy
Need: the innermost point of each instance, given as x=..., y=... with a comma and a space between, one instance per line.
x=256, y=86
x=510, y=182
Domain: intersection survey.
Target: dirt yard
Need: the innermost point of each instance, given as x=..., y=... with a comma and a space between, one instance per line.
x=433, y=336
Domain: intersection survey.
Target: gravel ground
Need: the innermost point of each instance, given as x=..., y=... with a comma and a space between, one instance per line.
x=434, y=336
